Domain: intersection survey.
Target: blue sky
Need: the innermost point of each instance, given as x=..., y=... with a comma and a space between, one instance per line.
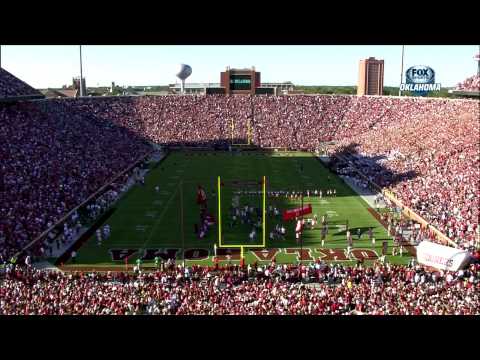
x=54, y=66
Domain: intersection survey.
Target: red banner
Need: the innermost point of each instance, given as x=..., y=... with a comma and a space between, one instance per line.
x=293, y=213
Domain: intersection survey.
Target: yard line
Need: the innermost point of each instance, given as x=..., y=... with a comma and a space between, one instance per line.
x=160, y=217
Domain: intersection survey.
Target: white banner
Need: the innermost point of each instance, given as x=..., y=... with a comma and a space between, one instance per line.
x=441, y=257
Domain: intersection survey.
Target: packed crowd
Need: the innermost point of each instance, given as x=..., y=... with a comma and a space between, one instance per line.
x=64, y=235
x=471, y=83
x=315, y=289
x=51, y=159
x=55, y=153
x=430, y=161
x=10, y=86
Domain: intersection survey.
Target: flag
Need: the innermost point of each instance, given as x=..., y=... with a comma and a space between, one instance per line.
x=299, y=226
x=293, y=213
x=201, y=196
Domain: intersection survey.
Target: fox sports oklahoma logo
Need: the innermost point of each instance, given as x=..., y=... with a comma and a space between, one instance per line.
x=420, y=80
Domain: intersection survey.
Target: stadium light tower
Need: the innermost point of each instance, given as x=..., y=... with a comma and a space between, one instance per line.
x=81, y=72
x=401, y=72
x=184, y=72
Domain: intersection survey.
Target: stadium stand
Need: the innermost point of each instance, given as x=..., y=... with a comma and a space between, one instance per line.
x=439, y=141
x=55, y=153
x=315, y=289
x=471, y=83
x=52, y=158
x=12, y=88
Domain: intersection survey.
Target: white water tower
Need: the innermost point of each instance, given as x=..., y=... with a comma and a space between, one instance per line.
x=184, y=72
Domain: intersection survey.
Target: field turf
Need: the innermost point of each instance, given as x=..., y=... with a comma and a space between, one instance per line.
x=145, y=219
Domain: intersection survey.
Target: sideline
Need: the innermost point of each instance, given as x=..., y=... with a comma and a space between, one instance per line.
x=366, y=194
x=87, y=231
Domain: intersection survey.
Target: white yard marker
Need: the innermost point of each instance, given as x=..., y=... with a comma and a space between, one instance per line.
x=159, y=219
x=151, y=214
x=332, y=213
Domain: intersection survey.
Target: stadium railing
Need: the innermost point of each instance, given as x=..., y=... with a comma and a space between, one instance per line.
x=415, y=217
x=93, y=196
x=189, y=148
x=276, y=149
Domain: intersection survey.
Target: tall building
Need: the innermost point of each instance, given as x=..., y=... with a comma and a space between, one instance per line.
x=370, y=77
x=76, y=85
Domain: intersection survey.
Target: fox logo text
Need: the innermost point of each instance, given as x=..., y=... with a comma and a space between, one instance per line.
x=420, y=80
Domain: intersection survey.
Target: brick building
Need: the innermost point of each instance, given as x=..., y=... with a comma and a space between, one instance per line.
x=370, y=77
x=240, y=81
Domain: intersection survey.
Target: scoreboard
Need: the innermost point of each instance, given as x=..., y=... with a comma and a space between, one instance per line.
x=240, y=81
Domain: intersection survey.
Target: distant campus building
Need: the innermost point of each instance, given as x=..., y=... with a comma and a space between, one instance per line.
x=192, y=88
x=370, y=77
x=76, y=85
x=72, y=91
x=235, y=82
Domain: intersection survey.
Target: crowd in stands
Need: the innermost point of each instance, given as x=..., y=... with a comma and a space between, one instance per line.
x=52, y=158
x=430, y=160
x=63, y=236
x=315, y=289
x=55, y=153
x=10, y=86
x=471, y=83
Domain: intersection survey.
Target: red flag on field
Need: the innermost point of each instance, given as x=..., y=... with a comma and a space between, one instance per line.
x=201, y=196
x=299, y=226
x=293, y=213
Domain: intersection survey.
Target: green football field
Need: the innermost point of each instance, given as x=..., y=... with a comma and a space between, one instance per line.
x=148, y=223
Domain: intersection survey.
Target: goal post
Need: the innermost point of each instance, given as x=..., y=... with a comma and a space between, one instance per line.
x=241, y=246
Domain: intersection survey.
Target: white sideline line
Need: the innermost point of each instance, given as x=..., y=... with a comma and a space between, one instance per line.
x=367, y=195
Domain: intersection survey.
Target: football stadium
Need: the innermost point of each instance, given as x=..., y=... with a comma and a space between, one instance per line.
x=240, y=200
